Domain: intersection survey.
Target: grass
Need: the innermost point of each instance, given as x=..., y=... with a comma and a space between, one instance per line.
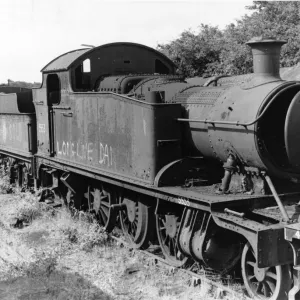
x=60, y=255
x=5, y=186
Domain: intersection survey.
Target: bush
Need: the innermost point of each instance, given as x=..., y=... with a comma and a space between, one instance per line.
x=29, y=208
x=81, y=229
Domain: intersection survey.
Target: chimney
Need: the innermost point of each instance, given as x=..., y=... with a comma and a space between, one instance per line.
x=266, y=54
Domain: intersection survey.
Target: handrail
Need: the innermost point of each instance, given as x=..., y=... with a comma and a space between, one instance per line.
x=285, y=217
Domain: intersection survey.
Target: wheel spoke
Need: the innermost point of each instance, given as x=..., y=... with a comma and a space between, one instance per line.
x=102, y=216
x=271, y=275
x=251, y=277
x=258, y=287
x=100, y=220
x=172, y=246
x=175, y=245
x=251, y=263
x=106, y=204
x=167, y=231
x=165, y=240
x=266, y=283
x=167, y=243
x=134, y=227
x=129, y=228
x=265, y=289
x=105, y=210
x=136, y=222
x=271, y=286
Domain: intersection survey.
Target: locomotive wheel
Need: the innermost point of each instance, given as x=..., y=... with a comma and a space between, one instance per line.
x=271, y=283
x=100, y=200
x=167, y=231
x=137, y=222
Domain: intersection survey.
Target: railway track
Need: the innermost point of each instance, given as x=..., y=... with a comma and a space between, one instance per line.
x=197, y=273
x=198, y=276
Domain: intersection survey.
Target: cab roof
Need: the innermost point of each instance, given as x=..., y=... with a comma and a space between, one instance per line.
x=65, y=61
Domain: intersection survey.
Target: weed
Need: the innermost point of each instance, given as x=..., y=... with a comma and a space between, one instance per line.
x=28, y=208
x=45, y=262
x=81, y=229
x=71, y=234
x=5, y=186
x=76, y=244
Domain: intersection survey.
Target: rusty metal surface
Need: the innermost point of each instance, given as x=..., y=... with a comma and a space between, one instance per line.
x=292, y=136
x=142, y=56
x=286, y=73
x=267, y=240
x=198, y=95
x=230, y=105
x=235, y=80
x=125, y=84
x=164, y=86
x=272, y=248
x=266, y=52
x=63, y=61
x=274, y=212
x=135, y=143
x=16, y=135
x=13, y=89
x=16, y=102
x=225, y=139
x=116, y=134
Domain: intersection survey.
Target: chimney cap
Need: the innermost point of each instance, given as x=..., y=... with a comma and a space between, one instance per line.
x=265, y=39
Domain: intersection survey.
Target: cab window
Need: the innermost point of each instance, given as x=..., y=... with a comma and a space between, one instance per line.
x=53, y=89
x=82, y=76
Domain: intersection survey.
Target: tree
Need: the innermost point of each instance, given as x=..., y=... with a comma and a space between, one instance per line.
x=211, y=51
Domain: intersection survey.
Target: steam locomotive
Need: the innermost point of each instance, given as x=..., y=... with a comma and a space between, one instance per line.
x=210, y=169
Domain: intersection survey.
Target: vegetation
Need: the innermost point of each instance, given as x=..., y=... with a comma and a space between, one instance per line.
x=211, y=51
x=22, y=84
x=55, y=254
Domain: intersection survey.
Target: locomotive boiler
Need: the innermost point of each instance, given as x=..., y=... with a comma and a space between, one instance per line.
x=209, y=171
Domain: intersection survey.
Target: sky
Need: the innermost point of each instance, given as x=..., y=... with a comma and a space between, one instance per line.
x=33, y=32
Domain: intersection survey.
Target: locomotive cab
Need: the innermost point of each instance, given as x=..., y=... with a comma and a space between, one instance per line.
x=84, y=117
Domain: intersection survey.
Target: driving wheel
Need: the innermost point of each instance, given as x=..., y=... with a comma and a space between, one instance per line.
x=100, y=199
x=167, y=227
x=271, y=283
x=137, y=221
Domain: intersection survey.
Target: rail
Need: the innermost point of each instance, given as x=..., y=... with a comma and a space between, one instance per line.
x=196, y=277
